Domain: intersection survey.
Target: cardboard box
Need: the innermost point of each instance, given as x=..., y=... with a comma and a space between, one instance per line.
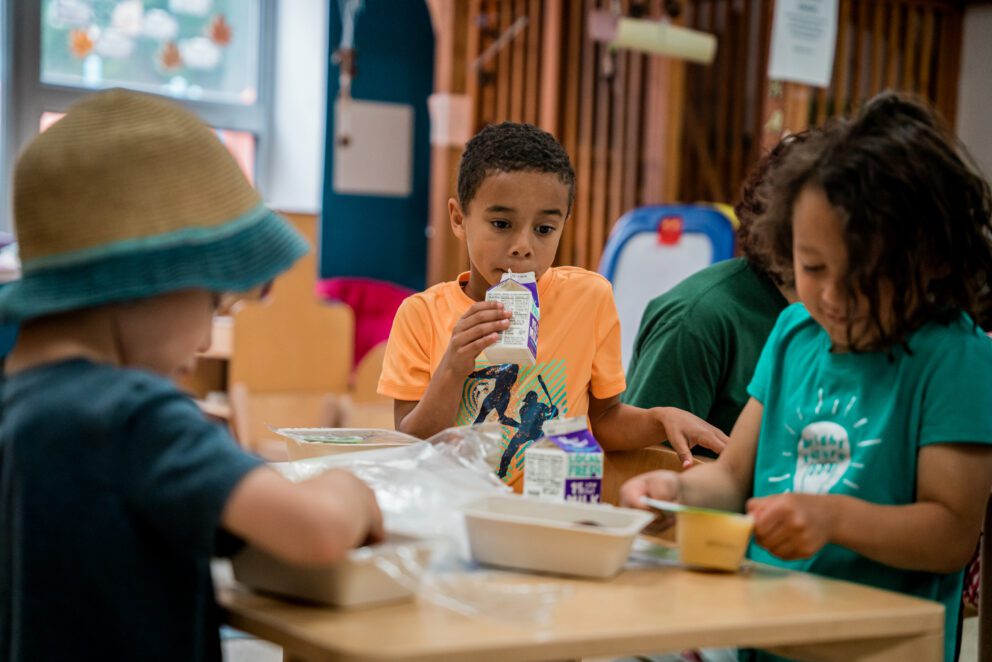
x=358, y=580
x=303, y=443
x=518, y=344
x=566, y=464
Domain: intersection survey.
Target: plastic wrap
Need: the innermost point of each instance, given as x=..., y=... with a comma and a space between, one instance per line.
x=421, y=488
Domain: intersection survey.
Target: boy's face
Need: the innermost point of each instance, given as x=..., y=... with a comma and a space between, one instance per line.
x=163, y=333
x=821, y=266
x=513, y=223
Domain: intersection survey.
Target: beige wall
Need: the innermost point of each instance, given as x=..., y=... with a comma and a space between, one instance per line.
x=974, y=121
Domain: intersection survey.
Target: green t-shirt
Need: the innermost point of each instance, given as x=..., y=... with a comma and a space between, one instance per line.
x=853, y=423
x=699, y=342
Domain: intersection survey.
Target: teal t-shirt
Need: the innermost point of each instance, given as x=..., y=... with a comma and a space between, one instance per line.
x=852, y=423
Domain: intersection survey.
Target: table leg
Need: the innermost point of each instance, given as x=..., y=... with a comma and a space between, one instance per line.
x=924, y=647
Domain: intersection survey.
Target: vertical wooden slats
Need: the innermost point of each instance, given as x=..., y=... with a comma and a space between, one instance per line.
x=600, y=161
x=926, y=51
x=503, y=60
x=893, y=46
x=632, y=141
x=585, y=146
x=909, y=79
x=487, y=76
x=860, y=63
x=570, y=115
x=739, y=102
x=617, y=143
x=764, y=115
x=551, y=66
x=662, y=130
x=723, y=71
x=533, y=46
x=656, y=107
x=948, y=72
x=472, y=50
x=518, y=62
x=842, y=65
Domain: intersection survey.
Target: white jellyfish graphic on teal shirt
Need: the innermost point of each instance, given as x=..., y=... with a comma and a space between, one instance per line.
x=824, y=448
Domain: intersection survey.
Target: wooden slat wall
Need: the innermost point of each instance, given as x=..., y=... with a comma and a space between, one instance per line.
x=906, y=45
x=659, y=130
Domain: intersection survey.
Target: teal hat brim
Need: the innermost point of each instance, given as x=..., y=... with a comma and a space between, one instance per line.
x=230, y=262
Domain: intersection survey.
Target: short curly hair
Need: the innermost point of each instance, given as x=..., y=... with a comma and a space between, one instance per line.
x=512, y=147
x=917, y=217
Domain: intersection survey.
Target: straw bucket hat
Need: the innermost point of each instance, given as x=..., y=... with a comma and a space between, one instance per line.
x=130, y=196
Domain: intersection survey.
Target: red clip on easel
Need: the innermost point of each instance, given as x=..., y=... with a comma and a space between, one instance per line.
x=670, y=230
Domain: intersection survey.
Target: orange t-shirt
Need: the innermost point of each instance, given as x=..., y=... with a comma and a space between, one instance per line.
x=578, y=353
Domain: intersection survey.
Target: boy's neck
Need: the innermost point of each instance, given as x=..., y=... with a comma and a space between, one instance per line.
x=84, y=335
x=476, y=287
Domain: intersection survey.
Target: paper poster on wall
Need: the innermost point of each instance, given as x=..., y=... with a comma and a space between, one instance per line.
x=804, y=36
x=373, y=148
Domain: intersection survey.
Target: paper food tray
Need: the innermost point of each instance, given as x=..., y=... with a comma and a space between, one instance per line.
x=587, y=540
x=356, y=581
x=302, y=443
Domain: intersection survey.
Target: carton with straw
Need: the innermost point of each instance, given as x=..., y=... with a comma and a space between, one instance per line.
x=518, y=343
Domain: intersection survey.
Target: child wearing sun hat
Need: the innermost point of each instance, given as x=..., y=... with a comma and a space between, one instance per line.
x=115, y=492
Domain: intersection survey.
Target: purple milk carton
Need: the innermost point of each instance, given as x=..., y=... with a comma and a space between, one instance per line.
x=518, y=343
x=566, y=464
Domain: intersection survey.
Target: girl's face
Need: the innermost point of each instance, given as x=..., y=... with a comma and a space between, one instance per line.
x=821, y=265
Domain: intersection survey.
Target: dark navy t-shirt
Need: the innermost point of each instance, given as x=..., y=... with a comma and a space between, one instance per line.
x=112, y=486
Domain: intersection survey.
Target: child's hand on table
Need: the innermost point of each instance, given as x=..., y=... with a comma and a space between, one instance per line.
x=792, y=526
x=477, y=329
x=662, y=485
x=685, y=430
x=355, y=497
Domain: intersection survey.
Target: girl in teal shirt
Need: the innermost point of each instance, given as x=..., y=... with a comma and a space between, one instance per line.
x=865, y=450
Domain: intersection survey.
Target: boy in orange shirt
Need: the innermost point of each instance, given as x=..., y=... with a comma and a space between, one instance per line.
x=515, y=191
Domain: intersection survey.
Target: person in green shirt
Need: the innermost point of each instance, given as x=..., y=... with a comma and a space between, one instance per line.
x=699, y=342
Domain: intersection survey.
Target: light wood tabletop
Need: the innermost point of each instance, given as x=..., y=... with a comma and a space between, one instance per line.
x=641, y=610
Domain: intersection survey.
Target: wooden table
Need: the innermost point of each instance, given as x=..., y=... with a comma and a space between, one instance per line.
x=639, y=611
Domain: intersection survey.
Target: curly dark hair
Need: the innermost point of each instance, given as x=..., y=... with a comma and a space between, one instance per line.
x=752, y=203
x=917, y=217
x=512, y=147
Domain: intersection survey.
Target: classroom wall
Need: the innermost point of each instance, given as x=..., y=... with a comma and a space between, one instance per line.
x=296, y=173
x=370, y=236
x=974, y=121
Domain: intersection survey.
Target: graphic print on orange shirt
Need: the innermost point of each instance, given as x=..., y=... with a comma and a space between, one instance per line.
x=521, y=399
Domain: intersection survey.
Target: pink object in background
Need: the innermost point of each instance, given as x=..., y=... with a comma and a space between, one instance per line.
x=374, y=303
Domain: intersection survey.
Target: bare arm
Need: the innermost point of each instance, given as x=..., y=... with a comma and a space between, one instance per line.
x=936, y=534
x=620, y=427
x=478, y=328
x=724, y=484
x=310, y=523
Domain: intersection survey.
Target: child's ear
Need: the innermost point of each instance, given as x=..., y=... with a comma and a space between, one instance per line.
x=457, y=218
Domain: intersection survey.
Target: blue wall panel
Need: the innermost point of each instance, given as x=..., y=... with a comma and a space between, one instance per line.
x=372, y=236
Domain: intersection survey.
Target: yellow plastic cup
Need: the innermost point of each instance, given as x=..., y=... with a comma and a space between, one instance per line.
x=712, y=540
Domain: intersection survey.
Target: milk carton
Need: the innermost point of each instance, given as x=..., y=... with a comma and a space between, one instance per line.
x=566, y=464
x=518, y=343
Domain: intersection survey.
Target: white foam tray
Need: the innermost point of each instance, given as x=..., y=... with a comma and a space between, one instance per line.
x=585, y=540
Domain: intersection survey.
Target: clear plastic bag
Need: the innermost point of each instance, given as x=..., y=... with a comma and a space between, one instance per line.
x=421, y=488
